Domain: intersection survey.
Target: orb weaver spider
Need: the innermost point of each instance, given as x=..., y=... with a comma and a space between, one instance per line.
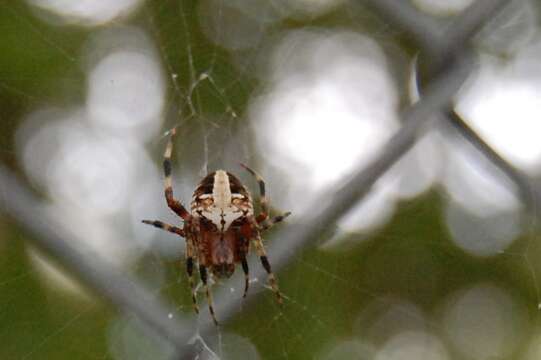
x=220, y=227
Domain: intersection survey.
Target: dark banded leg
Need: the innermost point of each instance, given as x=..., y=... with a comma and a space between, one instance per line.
x=174, y=204
x=203, y=274
x=165, y=226
x=189, y=271
x=262, y=197
x=246, y=275
x=270, y=222
x=266, y=265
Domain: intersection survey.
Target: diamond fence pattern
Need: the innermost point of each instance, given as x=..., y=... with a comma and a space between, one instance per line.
x=448, y=50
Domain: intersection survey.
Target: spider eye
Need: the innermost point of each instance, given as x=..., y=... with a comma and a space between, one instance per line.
x=238, y=200
x=205, y=199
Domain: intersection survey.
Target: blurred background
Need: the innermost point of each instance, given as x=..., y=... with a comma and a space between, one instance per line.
x=442, y=259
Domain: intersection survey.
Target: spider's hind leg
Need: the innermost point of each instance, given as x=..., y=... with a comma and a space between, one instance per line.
x=189, y=271
x=246, y=275
x=203, y=274
x=258, y=243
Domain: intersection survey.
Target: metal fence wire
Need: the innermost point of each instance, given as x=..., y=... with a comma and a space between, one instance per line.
x=448, y=50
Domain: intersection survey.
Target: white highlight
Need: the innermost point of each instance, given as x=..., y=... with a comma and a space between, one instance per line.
x=126, y=94
x=413, y=346
x=483, y=214
x=475, y=183
x=383, y=318
x=87, y=12
x=442, y=7
x=482, y=236
x=484, y=323
x=330, y=121
x=349, y=349
x=503, y=105
x=322, y=118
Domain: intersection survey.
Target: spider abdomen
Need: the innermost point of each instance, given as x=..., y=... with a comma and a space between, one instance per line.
x=221, y=253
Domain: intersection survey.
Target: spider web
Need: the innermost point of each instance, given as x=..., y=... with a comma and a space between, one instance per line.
x=388, y=288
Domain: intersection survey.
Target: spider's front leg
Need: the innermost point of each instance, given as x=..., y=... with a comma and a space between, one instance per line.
x=263, y=218
x=173, y=203
x=263, y=201
x=165, y=226
x=267, y=224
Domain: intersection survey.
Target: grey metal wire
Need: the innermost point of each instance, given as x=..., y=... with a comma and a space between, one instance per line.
x=440, y=46
x=426, y=32
x=130, y=297
x=416, y=118
x=526, y=188
x=124, y=292
x=404, y=17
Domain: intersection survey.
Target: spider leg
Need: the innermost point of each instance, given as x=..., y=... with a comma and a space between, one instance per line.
x=203, y=274
x=246, y=275
x=165, y=226
x=174, y=204
x=189, y=271
x=266, y=265
x=244, y=248
x=270, y=222
x=262, y=197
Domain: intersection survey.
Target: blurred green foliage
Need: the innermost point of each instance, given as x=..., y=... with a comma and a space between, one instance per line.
x=410, y=258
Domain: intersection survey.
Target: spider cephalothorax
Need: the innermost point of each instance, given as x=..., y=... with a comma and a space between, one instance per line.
x=220, y=226
x=222, y=199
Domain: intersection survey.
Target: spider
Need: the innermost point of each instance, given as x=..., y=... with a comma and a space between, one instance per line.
x=220, y=226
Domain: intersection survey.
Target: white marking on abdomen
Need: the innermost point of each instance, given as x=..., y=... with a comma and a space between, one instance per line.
x=221, y=191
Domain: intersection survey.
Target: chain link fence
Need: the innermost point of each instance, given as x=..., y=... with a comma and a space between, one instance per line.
x=447, y=52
